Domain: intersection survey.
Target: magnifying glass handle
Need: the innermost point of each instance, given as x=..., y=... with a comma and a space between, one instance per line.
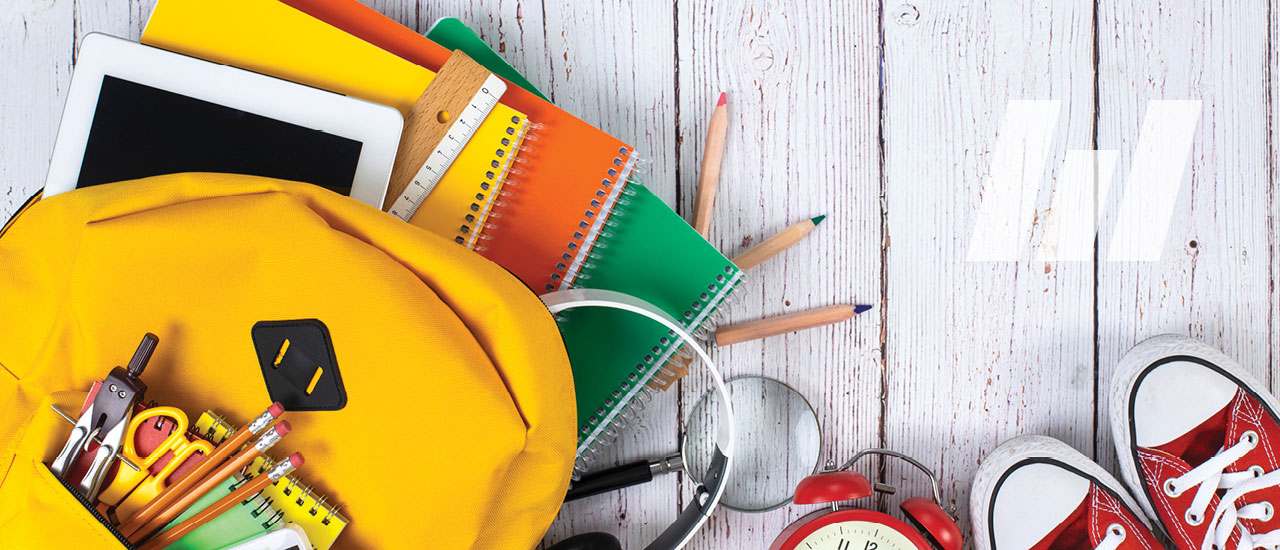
x=612, y=479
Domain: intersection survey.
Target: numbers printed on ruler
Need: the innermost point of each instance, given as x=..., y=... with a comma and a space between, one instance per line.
x=461, y=129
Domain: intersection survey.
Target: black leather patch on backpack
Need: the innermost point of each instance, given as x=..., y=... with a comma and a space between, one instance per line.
x=298, y=365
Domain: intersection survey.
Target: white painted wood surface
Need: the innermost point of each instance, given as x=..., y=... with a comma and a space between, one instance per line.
x=883, y=116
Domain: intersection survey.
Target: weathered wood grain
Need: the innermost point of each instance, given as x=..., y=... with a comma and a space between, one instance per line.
x=122, y=18
x=1272, y=81
x=979, y=351
x=36, y=38
x=957, y=355
x=1214, y=279
x=802, y=84
x=513, y=27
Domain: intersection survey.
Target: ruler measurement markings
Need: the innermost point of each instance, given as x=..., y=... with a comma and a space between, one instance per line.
x=461, y=129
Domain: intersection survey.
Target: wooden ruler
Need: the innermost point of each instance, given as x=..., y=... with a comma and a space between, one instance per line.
x=440, y=123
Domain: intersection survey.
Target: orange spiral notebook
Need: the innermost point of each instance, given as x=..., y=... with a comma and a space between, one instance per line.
x=555, y=194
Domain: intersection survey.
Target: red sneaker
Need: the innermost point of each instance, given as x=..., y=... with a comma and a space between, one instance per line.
x=1036, y=493
x=1199, y=444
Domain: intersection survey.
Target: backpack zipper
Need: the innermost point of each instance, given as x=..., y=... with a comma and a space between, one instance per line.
x=89, y=506
x=30, y=200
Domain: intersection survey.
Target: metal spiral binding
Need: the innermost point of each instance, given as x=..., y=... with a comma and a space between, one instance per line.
x=275, y=518
x=631, y=416
x=333, y=511
x=598, y=210
x=266, y=504
x=719, y=317
x=319, y=504
x=218, y=422
x=293, y=484
x=718, y=297
x=302, y=498
x=501, y=182
x=605, y=231
x=676, y=365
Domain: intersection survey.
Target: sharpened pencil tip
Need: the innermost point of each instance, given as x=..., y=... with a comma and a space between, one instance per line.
x=817, y=220
x=720, y=101
x=860, y=308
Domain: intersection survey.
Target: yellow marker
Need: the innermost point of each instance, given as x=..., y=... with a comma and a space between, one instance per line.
x=314, y=379
x=280, y=356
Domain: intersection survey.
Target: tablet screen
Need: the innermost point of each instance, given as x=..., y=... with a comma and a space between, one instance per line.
x=141, y=131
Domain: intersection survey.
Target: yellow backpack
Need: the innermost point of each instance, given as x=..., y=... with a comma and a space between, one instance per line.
x=456, y=427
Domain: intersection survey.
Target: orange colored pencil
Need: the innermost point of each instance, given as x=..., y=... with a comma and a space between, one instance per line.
x=219, y=455
x=709, y=176
x=211, y=481
x=246, y=490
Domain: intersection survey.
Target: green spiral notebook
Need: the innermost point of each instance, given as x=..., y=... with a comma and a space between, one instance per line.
x=646, y=250
x=250, y=518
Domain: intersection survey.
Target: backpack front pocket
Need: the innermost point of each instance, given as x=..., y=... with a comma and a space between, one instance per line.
x=38, y=510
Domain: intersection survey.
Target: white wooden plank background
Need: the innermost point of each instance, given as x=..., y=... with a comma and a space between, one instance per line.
x=883, y=116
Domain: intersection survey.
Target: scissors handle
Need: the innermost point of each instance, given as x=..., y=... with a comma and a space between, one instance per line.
x=127, y=480
x=152, y=486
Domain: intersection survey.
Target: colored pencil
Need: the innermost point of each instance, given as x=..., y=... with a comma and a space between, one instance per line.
x=245, y=491
x=709, y=176
x=211, y=481
x=780, y=241
x=220, y=455
x=791, y=322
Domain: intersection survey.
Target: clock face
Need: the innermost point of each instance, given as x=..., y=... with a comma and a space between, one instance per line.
x=856, y=535
x=849, y=529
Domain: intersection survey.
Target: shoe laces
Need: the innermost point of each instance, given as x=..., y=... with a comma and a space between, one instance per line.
x=1115, y=536
x=1210, y=477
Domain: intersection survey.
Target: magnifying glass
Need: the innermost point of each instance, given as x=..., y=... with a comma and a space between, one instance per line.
x=779, y=443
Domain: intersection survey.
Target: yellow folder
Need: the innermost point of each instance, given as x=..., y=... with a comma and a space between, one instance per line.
x=269, y=37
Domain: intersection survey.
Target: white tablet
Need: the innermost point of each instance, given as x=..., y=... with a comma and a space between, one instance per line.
x=135, y=111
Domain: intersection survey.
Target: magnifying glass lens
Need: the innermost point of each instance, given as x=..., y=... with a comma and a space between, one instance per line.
x=778, y=442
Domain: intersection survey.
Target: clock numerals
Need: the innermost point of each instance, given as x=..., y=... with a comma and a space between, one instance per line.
x=854, y=535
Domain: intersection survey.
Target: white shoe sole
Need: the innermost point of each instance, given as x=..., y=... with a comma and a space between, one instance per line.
x=1031, y=448
x=1130, y=368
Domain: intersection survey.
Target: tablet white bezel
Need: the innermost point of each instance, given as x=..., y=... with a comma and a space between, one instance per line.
x=376, y=127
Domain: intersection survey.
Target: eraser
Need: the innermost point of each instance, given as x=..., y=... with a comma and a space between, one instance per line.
x=721, y=100
x=276, y=409
x=295, y=459
x=283, y=427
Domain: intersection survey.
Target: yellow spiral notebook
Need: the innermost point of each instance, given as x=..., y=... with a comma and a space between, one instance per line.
x=306, y=51
x=296, y=503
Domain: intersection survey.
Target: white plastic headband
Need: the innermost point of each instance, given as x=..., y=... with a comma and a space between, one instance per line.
x=708, y=495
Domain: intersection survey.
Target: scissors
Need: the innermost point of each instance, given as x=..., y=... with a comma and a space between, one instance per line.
x=131, y=489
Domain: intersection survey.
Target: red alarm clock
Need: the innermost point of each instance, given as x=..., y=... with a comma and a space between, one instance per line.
x=850, y=528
